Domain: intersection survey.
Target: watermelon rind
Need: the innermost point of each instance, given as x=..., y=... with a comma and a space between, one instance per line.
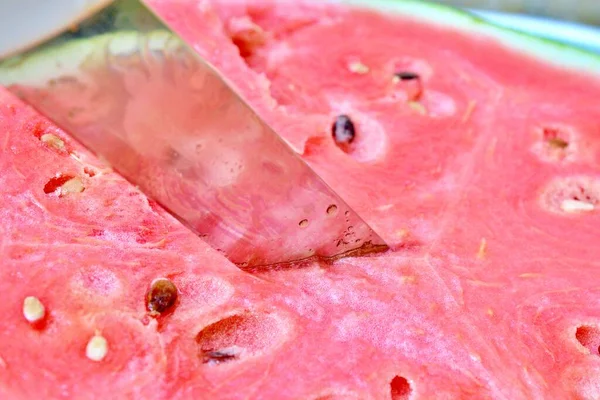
x=72, y=56
x=37, y=69
x=544, y=49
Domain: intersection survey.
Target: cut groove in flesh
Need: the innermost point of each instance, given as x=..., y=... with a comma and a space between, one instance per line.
x=238, y=336
x=247, y=36
x=589, y=337
x=557, y=143
x=555, y=138
x=400, y=388
x=572, y=195
x=54, y=183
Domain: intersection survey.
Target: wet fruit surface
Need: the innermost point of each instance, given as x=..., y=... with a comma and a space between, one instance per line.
x=486, y=186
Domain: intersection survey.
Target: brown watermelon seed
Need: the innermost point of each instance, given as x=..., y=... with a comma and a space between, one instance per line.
x=343, y=130
x=554, y=139
x=400, y=388
x=558, y=143
x=303, y=223
x=162, y=296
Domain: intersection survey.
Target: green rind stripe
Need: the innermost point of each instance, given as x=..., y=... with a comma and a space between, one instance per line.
x=557, y=53
x=76, y=52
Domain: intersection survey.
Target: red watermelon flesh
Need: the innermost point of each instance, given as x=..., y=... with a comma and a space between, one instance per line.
x=489, y=293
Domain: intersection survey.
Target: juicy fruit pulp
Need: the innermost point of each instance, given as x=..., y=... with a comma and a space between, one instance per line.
x=489, y=293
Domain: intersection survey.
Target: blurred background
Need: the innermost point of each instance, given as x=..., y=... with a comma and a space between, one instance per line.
x=583, y=11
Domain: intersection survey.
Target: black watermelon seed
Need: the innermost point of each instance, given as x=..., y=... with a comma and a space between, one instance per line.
x=343, y=130
x=407, y=75
x=162, y=296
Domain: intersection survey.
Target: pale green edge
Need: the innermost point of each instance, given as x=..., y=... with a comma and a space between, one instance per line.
x=38, y=67
x=562, y=55
x=559, y=54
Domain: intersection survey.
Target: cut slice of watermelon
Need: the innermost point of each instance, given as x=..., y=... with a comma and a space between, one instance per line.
x=485, y=178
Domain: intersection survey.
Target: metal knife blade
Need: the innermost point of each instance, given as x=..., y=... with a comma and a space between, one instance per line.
x=127, y=87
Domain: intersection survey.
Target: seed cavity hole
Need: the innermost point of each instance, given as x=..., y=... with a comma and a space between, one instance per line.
x=556, y=143
x=400, y=388
x=247, y=36
x=572, y=195
x=589, y=337
x=63, y=185
x=411, y=83
x=357, y=67
x=239, y=336
x=555, y=138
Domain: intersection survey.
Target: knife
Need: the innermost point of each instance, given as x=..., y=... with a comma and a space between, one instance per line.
x=119, y=80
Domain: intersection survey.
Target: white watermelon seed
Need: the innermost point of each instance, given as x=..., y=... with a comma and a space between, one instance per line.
x=96, y=348
x=53, y=141
x=358, y=68
x=74, y=185
x=33, y=309
x=418, y=107
x=575, y=206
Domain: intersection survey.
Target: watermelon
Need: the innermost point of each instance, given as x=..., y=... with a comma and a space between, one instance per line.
x=474, y=151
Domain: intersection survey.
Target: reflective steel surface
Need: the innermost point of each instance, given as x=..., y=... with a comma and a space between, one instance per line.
x=132, y=92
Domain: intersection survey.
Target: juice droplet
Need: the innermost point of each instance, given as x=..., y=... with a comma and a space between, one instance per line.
x=332, y=209
x=303, y=223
